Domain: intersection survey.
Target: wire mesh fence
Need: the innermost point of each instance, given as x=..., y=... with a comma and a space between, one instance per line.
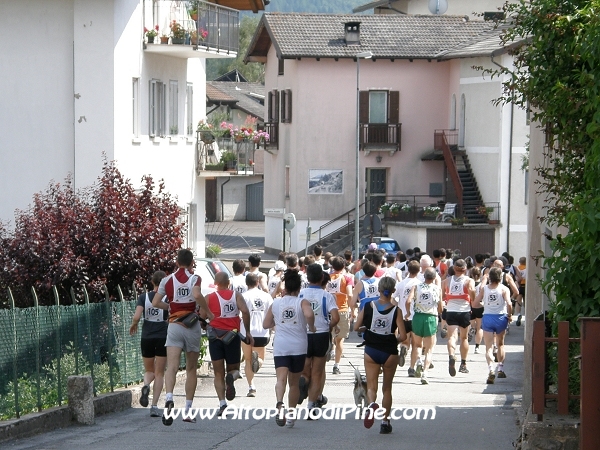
x=41, y=346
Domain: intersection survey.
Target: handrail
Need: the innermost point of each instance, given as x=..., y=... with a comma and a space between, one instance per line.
x=345, y=214
x=441, y=143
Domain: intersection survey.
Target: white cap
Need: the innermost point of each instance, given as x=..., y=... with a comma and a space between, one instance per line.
x=372, y=246
x=280, y=265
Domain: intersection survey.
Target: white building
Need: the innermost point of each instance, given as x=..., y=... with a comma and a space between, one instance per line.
x=80, y=80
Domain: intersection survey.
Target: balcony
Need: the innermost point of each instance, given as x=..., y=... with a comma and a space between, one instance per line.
x=224, y=155
x=207, y=30
x=380, y=137
x=273, y=129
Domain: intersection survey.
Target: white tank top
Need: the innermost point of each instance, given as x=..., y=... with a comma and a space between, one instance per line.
x=182, y=292
x=291, y=327
x=493, y=301
x=403, y=288
x=427, y=298
x=273, y=282
x=382, y=323
x=258, y=302
x=238, y=283
x=229, y=308
x=152, y=314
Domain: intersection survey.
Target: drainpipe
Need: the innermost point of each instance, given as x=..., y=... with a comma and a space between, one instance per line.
x=510, y=144
x=222, y=200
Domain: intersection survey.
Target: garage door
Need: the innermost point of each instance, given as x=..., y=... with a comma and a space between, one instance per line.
x=469, y=241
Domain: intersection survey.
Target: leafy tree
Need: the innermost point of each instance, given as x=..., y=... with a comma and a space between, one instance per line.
x=110, y=234
x=557, y=71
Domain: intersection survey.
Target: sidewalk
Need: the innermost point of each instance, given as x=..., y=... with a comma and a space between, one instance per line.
x=238, y=240
x=469, y=413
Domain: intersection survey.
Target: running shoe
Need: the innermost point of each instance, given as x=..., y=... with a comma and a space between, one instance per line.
x=255, y=363
x=476, y=350
x=472, y=332
x=444, y=332
x=144, y=396
x=491, y=377
x=419, y=369
x=519, y=320
x=280, y=418
x=370, y=416
x=189, y=419
x=154, y=412
x=403, y=351
x=303, y=390
x=501, y=374
x=290, y=423
x=336, y=370
x=222, y=409
x=452, y=366
x=411, y=372
x=251, y=393
x=495, y=353
x=321, y=401
x=424, y=379
x=463, y=368
x=431, y=365
x=169, y=405
x=229, y=387
x=385, y=428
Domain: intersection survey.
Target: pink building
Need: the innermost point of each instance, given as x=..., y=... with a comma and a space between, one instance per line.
x=419, y=79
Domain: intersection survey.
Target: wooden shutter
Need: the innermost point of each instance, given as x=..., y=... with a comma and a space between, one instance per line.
x=276, y=108
x=270, y=106
x=394, y=107
x=363, y=106
x=273, y=106
x=286, y=106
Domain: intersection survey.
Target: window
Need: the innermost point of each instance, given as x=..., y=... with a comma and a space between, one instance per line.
x=378, y=107
x=453, y=113
x=463, y=113
x=286, y=106
x=135, y=106
x=281, y=66
x=189, y=108
x=273, y=108
x=526, y=186
x=173, y=107
x=157, y=108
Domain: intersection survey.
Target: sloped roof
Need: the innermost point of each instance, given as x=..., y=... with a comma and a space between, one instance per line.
x=387, y=36
x=482, y=45
x=247, y=96
x=232, y=75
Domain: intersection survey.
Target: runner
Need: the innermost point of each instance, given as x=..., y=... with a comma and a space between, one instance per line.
x=497, y=314
x=182, y=290
x=427, y=305
x=291, y=315
x=384, y=330
x=258, y=302
x=476, y=312
x=401, y=294
x=238, y=281
x=275, y=279
x=224, y=339
x=340, y=287
x=254, y=261
x=323, y=305
x=522, y=281
x=459, y=292
x=154, y=336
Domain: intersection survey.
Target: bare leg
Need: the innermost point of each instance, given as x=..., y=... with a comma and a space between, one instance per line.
x=148, y=370
x=219, y=381
x=389, y=370
x=173, y=356
x=317, y=378
x=191, y=381
x=159, y=378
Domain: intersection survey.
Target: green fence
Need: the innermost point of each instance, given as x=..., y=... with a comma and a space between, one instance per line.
x=42, y=345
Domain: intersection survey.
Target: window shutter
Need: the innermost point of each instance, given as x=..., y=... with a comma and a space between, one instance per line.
x=276, y=109
x=287, y=112
x=270, y=106
x=394, y=105
x=363, y=106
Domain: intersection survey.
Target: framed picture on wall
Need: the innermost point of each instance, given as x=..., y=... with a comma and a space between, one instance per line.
x=325, y=181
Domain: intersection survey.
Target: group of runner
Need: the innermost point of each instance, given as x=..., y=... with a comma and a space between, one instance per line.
x=310, y=302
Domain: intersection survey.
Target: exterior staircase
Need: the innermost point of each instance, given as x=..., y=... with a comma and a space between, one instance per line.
x=471, y=197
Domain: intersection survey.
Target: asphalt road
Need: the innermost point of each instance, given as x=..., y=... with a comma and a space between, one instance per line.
x=469, y=414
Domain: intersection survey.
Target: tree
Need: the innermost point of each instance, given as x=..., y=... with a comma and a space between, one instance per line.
x=110, y=234
x=557, y=71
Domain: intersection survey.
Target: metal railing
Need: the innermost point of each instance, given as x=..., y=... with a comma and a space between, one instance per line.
x=273, y=129
x=204, y=24
x=380, y=134
x=441, y=142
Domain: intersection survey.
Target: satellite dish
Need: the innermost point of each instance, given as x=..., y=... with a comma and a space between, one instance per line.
x=438, y=6
x=290, y=221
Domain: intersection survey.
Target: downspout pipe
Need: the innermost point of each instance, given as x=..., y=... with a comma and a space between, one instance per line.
x=223, y=200
x=510, y=146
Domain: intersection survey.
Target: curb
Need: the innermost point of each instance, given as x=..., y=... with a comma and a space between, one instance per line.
x=62, y=416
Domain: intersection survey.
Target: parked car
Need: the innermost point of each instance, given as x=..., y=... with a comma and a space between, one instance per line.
x=389, y=245
x=207, y=268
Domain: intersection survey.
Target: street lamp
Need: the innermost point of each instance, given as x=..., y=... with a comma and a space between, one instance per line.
x=359, y=56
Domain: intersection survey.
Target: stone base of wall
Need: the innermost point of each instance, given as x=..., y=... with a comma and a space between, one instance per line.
x=554, y=432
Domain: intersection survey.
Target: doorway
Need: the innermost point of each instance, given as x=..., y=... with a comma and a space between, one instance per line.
x=376, y=189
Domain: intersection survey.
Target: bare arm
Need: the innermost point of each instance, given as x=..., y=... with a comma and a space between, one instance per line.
x=358, y=288
x=201, y=302
x=478, y=298
x=241, y=304
x=269, y=320
x=359, y=320
x=158, y=303
x=135, y=320
x=335, y=318
x=401, y=336
x=408, y=303
x=262, y=282
x=506, y=295
x=471, y=290
x=511, y=284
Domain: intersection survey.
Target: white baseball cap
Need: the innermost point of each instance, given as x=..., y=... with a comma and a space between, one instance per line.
x=280, y=265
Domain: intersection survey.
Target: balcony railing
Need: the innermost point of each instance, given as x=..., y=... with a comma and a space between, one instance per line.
x=210, y=151
x=206, y=27
x=273, y=129
x=380, y=136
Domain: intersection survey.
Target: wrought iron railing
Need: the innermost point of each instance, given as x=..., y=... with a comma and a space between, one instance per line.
x=380, y=134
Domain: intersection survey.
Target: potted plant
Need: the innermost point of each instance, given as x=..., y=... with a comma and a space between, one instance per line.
x=406, y=208
x=431, y=211
x=384, y=208
x=177, y=32
x=194, y=8
x=206, y=132
x=458, y=221
x=151, y=34
x=164, y=39
x=229, y=160
x=197, y=36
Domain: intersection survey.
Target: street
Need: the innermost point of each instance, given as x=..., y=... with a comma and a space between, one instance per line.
x=469, y=414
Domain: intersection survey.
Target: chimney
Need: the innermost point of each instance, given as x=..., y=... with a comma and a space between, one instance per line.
x=352, y=33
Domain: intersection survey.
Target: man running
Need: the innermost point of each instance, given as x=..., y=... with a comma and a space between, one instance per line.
x=184, y=295
x=339, y=286
x=403, y=290
x=459, y=292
